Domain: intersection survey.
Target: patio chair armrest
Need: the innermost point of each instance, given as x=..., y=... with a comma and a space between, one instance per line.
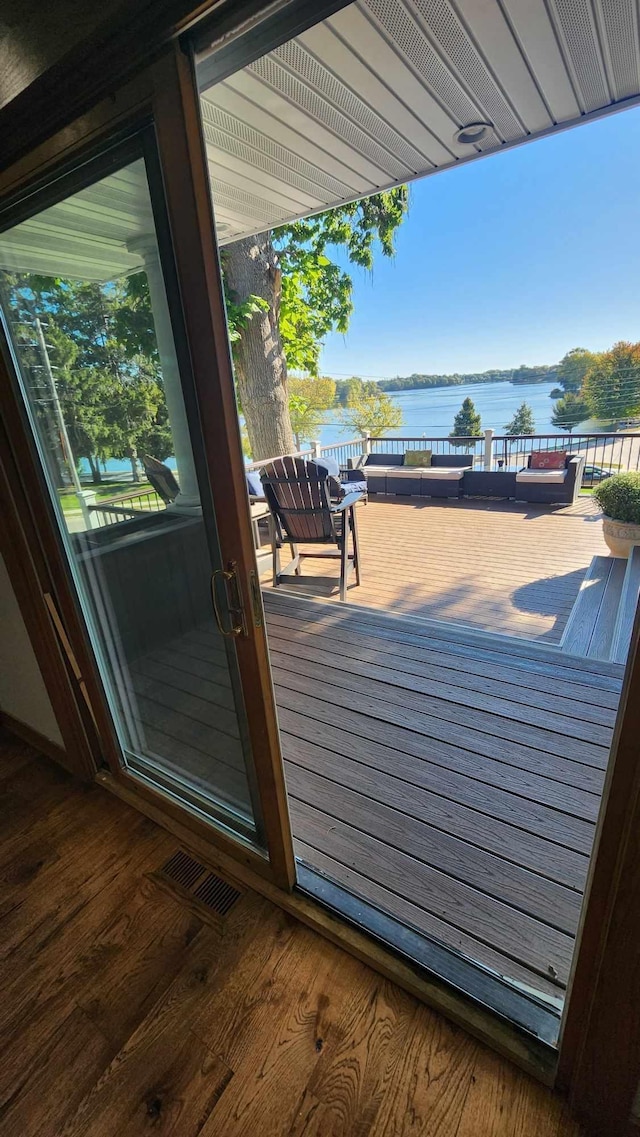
x=347, y=502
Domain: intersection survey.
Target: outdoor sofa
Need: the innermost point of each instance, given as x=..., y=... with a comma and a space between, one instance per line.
x=453, y=475
x=389, y=474
x=560, y=485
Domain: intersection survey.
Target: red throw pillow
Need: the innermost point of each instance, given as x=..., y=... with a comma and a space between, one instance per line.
x=548, y=460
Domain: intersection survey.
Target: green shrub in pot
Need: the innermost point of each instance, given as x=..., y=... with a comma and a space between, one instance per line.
x=619, y=500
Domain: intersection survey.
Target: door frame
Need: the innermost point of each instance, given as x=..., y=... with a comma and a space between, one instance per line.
x=164, y=96
x=600, y=1047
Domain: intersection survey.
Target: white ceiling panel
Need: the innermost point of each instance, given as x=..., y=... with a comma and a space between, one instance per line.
x=377, y=93
x=372, y=97
x=393, y=90
x=485, y=24
x=328, y=138
x=293, y=151
x=540, y=47
x=356, y=129
x=577, y=29
x=619, y=19
x=378, y=107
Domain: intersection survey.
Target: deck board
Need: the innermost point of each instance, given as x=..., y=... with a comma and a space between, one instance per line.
x=500, y=566
x=450, y=825
x=505, y=683
x=445, y=774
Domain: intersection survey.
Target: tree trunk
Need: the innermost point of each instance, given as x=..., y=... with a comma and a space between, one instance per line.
x=251, y=269
x=132, y=454
x=94, y=466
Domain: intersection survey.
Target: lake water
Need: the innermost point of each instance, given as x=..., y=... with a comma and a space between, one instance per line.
x=431, y=412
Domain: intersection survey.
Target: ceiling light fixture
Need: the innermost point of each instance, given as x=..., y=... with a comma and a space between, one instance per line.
x=474, y=132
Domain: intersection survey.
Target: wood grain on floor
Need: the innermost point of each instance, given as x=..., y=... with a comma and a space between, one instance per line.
x=123, y=1014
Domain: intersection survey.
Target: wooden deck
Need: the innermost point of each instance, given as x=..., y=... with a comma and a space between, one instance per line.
x=453, y=781
x=495, y=565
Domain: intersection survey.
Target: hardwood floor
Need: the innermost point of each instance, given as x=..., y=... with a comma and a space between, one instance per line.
x=497, y=565
x=124, y=1013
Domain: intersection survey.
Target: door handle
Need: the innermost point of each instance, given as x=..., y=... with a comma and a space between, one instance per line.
x=233, y=597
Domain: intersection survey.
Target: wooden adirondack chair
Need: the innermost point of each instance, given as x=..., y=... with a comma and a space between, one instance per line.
x=302, y=512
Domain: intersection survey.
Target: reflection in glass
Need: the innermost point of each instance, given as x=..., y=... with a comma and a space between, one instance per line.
x=86, y=313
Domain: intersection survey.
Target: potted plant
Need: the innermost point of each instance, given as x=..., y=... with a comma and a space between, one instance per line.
x=619, y=500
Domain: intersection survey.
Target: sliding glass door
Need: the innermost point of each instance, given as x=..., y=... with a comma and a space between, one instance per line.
x=96, y=331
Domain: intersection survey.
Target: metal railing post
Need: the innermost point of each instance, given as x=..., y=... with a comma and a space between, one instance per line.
x=488, y=449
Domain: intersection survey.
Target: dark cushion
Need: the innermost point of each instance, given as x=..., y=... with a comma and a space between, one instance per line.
x=452, y=460
x=385, y=460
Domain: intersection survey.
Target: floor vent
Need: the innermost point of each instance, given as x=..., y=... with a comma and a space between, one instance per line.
x=219, y=896
x=210, y=895
x=183, y=869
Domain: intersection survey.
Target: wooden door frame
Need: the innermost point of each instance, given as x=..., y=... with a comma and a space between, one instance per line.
x=166, y=96
x=599, y=1059
x=27, y=568
x=598, y=1063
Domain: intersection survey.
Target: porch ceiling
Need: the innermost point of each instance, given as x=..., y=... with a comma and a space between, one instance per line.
x=93, y=235
x=370, y=98
x=374, y=95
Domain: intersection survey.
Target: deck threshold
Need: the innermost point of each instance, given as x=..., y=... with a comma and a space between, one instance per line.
x=470, y=980
x=448, y=629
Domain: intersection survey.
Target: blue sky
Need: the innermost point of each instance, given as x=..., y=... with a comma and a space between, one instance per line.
x=515, y=258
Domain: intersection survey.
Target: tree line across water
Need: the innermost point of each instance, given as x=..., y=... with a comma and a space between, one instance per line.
x=522, y=374
x=604, y=386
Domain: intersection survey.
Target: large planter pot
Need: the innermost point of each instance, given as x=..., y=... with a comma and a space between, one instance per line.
x=620, y=536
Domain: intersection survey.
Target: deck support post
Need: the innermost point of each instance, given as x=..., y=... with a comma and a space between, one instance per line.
x=366, y=444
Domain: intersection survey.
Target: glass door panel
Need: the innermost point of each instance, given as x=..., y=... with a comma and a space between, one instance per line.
x=86, y=313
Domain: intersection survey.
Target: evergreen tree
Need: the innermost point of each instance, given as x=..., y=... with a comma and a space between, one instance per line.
x=102, y=349
x=467, y=423
x=522, y=422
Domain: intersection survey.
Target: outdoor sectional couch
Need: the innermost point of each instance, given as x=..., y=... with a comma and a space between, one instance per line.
x=387, y=473
x=551, y=486
x=452, y=475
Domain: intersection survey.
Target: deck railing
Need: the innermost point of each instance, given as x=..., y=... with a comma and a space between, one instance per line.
x=341, y=451
x=614, y=451
x=110, y=510
x=618, y=452
x=388, y=444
